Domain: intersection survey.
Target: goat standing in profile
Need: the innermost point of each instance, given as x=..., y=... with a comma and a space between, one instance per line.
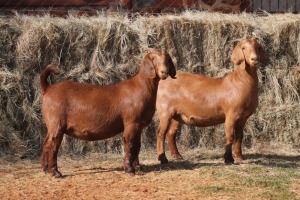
x=92, y=112
x=205, y=101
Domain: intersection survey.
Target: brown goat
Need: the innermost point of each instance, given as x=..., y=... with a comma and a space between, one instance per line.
x=93, y=112
x=205, y=101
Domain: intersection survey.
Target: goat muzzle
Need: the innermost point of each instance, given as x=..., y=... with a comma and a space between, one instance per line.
x=163, y=74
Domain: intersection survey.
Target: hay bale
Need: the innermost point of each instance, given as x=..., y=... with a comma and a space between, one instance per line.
x=105, y=49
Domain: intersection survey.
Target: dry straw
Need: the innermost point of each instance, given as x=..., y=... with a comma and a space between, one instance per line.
x=107, y=48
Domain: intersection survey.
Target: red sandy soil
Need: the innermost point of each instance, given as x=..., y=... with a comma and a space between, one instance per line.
x=100, y=176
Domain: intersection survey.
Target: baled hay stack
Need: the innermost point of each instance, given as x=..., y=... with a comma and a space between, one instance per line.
x=105, y=49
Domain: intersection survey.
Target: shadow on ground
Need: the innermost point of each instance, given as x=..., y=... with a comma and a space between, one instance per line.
x=272, y=160
x=191, y=162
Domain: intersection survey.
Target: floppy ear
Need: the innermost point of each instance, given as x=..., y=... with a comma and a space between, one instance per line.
x=237, y=55
x=172, y=68
x=147, y=68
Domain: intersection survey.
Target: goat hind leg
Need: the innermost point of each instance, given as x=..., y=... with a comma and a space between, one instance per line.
x=160, y=141
x=55, y=142
x=174, y=125
x=45, y=155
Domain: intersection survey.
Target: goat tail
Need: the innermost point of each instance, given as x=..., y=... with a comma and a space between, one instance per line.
x=44, y=75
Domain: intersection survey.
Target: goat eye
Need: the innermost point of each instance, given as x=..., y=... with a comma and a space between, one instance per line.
x=243, y=48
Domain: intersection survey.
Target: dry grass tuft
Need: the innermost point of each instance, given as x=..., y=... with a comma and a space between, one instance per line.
x=107, y=48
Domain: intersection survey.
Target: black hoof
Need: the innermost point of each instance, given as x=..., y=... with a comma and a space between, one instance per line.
x=57, y=174
x=130, y=170
x=138, y=168
x=163, y=159
x=228, y=158
x=45, y=168
x=229, y=161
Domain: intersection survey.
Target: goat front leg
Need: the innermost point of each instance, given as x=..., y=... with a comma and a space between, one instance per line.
x=239, y=132
x=136, y=151
x=132, y=145
x=136, y=163
x=229, y=131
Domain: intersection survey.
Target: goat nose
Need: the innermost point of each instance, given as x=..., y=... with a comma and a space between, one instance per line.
x=163, y=72
x=254, y=58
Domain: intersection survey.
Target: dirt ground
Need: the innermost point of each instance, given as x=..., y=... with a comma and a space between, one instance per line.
x=202, y=175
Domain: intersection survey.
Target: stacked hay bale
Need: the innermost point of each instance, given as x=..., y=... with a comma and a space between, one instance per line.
x=106, y=49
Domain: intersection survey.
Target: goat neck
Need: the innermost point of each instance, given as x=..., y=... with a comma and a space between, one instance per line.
x=247, y=71
x=150, y=83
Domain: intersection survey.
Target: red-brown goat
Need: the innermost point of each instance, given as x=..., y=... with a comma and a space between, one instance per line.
x=93, y=112
x=205, y=101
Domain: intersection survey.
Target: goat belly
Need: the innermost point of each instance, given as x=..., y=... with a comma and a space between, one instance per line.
x=194, y=120
x=99, y=132
x=90, y=135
